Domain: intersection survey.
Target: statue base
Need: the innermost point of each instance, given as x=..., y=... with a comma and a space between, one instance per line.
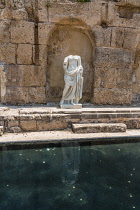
x=71, y=106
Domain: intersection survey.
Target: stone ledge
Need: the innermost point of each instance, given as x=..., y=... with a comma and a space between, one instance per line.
x=99, y=127
x=53, y=118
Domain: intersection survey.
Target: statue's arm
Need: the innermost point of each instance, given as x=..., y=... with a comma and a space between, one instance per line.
x=79, y=61
x=79, y=64
x=65, y=64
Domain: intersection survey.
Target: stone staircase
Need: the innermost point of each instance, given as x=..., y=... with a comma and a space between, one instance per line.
x=93, y=119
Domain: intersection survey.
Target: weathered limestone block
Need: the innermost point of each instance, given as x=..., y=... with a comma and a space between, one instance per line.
x=17, y=4
x=44, y=30
x=99, y=127
x=26, y=76
x=37, y=95
x=22, y=32
x=16, y=95
x=124, y=37
x=13, y=9
x=12, y=123
x=5, y=31
x=105, y=77
x=136, y=98
x=28, y=125
x=130, y=38
x=117, y=37
x=136, y=17
x=32, y=76
x=21, y=76
x=8, y=53
x=12, y=76
x=111, y=57
x=112, y=96
x=6, y=14
x=43, y=14
x=20, y=14
x=133, y=123
x=135, y=3
x=54, y=125
x=32, y=8
x=43, y=4
x=122, y=22
x=89, y=12
x=2, y=4
x=127, y=11
x=25, y=54
x=1, y=123
x=102, y=36
x=116, y=19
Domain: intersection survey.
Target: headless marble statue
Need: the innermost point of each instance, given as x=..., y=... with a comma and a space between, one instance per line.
x=72, y=93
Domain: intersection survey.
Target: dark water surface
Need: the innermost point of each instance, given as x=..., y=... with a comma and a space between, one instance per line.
x=98, y=177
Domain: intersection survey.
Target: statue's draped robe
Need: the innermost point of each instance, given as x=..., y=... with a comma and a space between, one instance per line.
x=73, y=78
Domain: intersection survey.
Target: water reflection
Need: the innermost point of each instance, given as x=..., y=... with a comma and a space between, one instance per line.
x=71, y=177
x=71, y=162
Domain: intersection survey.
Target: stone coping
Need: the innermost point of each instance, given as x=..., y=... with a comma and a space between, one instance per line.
x=20, y=110
x=40, y=139
x=49, y=118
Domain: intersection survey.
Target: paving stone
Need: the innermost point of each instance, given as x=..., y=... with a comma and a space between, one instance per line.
x=28, y=125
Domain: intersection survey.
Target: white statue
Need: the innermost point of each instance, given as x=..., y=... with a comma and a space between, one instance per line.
x=73, y=71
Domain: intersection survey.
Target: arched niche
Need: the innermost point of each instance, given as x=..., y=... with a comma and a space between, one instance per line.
x=69, y=37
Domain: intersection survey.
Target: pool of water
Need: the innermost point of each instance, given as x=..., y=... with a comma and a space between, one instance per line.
x=96, y=177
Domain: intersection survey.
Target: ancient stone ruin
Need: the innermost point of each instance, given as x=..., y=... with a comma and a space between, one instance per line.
x=36, y=36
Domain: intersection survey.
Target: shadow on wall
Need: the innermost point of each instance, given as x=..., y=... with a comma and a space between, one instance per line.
x=136, y=77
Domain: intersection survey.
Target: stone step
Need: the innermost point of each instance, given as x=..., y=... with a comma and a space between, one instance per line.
x=1, y=130
x=99, y=127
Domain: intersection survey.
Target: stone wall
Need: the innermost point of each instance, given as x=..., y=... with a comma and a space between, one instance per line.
x=36, y=35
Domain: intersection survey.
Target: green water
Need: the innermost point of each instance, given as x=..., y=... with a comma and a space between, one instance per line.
x=103, y=177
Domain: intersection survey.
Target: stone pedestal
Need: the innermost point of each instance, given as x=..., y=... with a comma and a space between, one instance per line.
x=71, y=106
